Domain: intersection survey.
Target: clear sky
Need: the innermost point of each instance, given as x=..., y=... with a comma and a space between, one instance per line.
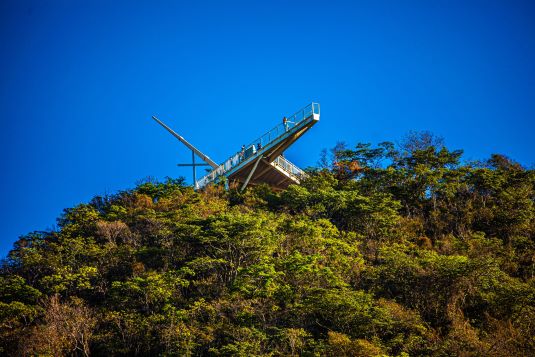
x=80, y=80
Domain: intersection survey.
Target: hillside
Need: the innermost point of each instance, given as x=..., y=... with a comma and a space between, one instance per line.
x=383, y=250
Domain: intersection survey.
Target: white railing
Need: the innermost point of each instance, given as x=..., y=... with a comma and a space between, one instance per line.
x=289, y=168
x=260, y=143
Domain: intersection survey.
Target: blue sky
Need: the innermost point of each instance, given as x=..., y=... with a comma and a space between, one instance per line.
x=80, y=80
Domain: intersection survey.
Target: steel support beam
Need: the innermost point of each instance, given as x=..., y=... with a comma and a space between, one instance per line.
x=185, y=142
x=251, y=173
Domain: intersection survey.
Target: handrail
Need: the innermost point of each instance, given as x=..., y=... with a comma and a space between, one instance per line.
x=263, y=141
x=290, y=168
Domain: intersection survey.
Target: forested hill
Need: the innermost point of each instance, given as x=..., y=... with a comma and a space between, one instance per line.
x=383, y=250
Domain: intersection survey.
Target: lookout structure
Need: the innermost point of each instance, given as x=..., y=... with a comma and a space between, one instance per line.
x=261, y=161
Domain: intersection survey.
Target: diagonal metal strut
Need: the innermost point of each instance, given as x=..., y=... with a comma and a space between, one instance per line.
x=251, y=173
x=185, y=142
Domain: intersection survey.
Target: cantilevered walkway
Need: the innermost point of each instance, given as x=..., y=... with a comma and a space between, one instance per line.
x=261, y=161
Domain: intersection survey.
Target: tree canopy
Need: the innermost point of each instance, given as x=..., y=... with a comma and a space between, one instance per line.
x=391, y=250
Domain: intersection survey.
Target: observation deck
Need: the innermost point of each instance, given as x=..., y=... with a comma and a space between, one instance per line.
x=262, y=161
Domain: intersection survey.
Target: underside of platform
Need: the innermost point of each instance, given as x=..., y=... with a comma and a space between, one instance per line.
x=266, y=173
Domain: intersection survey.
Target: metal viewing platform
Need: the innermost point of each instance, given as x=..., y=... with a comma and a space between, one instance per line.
x=261, y=161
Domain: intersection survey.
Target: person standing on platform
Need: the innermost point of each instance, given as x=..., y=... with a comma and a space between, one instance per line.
x=285, y=122
x=242, y=152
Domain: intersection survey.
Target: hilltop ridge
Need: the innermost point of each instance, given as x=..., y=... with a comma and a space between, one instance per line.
x=382, y=250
